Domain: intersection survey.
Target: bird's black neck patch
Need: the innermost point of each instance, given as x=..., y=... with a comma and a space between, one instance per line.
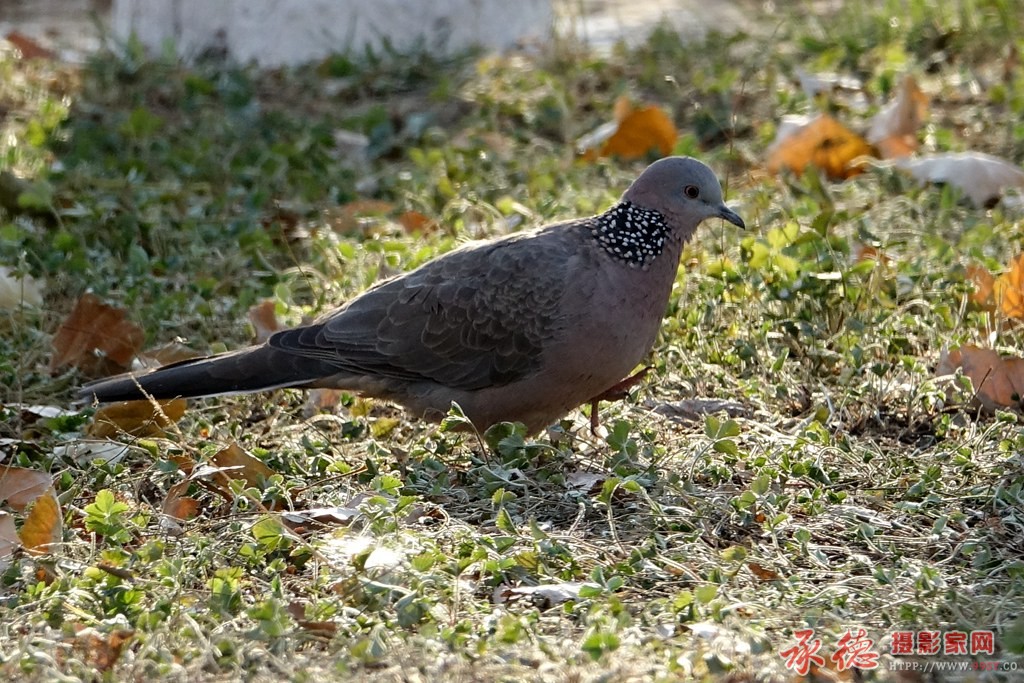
x=631, y=234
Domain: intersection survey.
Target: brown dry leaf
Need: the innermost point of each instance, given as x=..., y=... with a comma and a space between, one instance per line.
x=1008, y=289
x=866, y=252
x=177, y=505
x=44, y=525
x=981, y=177
x=763, y=572
x=346, y=218
x=414, y=221
x=297, y=610
x=165, y=354
x=822, y=142
x=997, y=381
x=984, y=285
x=100, y=650
x=28, y=47
x=264, y=320
x=244, y=466
x=893, y=130
x=136, y=418
x=96, y=339
x=20, y=486
x=321, y=400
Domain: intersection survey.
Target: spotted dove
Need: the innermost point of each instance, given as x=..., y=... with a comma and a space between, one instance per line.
x=520, y=328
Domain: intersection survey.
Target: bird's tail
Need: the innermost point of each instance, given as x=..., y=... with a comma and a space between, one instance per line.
x=257, y=368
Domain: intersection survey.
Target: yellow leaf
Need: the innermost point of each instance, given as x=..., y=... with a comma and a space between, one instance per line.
x=43, y=528
x=136, y=418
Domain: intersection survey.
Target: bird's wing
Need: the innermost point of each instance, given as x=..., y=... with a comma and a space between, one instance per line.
x=476, y=317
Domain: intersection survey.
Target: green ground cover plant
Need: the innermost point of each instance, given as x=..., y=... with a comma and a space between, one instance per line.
x=793, y=461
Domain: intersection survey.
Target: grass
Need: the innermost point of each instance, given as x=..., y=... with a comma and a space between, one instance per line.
x=846, y=489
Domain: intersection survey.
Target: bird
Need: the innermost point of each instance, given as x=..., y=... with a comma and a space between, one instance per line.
x=521, y=328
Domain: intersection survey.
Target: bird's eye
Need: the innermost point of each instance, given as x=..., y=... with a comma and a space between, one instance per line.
x=691, y=191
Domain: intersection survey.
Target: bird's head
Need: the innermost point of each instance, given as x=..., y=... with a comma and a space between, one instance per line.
x=661, y=210
x=684, y=191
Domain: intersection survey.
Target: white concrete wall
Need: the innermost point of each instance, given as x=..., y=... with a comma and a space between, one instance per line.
x=288, y=32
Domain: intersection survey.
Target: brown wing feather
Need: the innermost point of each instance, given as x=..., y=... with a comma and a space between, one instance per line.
x=475, y=318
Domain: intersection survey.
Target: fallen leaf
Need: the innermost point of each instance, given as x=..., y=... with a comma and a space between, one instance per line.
x=321, y=400
x=165, y=354
x=136, y=418
x=416, y=222
x=762, y=572
x=19, y=290
x=9, y=540
x=96, y=339
x=100, y=650
x=234, y=463
x=867, y=252
x=28, y=47
x=44, y=525
x=817, y=84
x=893, y=130
x=984, y=285
x=19, y=486
x=635, y=134
x=821, y=142
x=264, y=320
x=1008, y=289
x=997, y=381
x=83, y=452
x=324, y=516
x=297, y=610
x=348, y=218
x=549, y=594
x=981, y=177
x=177, y=505
x=585, y=482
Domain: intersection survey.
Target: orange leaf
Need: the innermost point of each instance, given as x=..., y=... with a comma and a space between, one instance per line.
x=866, y=252
x=823, y=143
x=1008, y=289
x=997, y=381
x=179, y=506
x=763, y=572
x=96, y=339
x=264, y=320
x=136, y=418
x=641, y=132
x=100, y=650
x=984, y=285
x=43, y=528
x=19, y=486
x=414, y=221
x=244, y=466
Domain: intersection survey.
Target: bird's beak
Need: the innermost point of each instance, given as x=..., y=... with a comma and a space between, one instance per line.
x=728, y=214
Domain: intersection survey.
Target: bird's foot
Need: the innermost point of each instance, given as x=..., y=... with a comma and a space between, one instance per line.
x=615, y=392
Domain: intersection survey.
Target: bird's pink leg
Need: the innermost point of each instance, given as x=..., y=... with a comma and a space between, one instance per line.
x=615, y=392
